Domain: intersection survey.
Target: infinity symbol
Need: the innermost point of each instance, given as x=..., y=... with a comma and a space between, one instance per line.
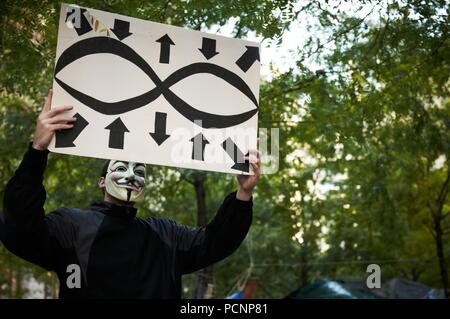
x=96, y=45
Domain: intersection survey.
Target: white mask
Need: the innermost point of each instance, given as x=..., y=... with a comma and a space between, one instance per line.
x=125, y=180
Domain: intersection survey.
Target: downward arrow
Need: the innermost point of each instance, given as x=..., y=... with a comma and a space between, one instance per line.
x=198, y=147
x=117, y=133
x=121, y=29
x=65, y=138
x=166, y=42
x=79, y=20
x=248, y=58
x=208, y=48
x=160, y=128
x=236, y=155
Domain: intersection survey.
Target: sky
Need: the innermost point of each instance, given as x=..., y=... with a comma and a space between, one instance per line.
x=295, y=37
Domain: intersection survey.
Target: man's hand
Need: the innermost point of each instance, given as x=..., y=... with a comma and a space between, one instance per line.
x=49, y=121
x=248, y=182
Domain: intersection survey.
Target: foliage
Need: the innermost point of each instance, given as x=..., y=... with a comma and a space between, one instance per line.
x=364, y=122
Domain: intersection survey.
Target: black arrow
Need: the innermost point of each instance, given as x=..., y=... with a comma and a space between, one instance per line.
x=198, y=147
x=121, y=29
x=248, y=58
x=166, y=42
x=235, y=153
x=208, y=48
x=160, y=128
x=84, y=25
x=117, y=133
x=65, y=138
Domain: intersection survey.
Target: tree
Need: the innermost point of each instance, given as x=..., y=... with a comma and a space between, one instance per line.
x=364, y=120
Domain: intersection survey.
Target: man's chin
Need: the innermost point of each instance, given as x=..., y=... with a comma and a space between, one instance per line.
x=131, y=197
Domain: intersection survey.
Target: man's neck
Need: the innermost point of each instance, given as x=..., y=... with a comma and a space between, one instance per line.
x=112, y=200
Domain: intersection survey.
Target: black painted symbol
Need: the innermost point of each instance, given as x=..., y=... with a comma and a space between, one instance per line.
x=121, y=29
x=116, y=133
x=198, y=147
x=236, y=155
x=95, y=45
x=248, y=58
x=208, y=48
x=160, y=128
x=65, y=138
x=166, y=42
x=82, y=24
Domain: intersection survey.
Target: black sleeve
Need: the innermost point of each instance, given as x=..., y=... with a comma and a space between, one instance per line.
x=198, y=247
x=27, y=232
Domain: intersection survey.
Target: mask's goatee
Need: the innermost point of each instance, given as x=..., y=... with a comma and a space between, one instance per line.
x=128, y=194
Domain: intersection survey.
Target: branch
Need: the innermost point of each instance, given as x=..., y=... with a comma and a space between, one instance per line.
x=443, y=194
x=431, y=230
x=239, y=30
x=184, y=178
x=164, y=11
x=339, y=34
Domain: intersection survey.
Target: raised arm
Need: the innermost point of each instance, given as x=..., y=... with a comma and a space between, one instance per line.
x=26, y=231
x=199, y=247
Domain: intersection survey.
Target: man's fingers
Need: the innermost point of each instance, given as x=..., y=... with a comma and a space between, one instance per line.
x=252, y=159
x=60, y=118
x=255, y=152
x=55, y=127
x=256, y=168
x=59, y=109
x=48, y=101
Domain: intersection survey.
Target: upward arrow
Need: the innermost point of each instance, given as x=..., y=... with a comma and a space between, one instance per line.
x=117, y=133
x=121, y=29
x=208, y=48
x=236, y=154
x=248, y=58
x=166, y=42
x=160, y=128
x=198, y=147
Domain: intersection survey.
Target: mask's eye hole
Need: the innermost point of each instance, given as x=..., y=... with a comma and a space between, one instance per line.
x=139, y=172
x=121, y=169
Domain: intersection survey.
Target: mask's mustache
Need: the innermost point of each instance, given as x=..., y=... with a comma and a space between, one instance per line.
x=134, y=184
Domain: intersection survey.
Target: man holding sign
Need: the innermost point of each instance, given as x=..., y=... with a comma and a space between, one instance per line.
x=114, y=253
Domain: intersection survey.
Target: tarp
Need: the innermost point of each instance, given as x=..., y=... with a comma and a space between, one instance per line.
x=236, y=295
x=357, y=289
x=329, y=289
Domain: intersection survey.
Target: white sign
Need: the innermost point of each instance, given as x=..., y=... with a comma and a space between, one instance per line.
x=154, y=93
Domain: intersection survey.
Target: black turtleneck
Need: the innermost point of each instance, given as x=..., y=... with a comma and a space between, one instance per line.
x=111, y=209
x=119, y=254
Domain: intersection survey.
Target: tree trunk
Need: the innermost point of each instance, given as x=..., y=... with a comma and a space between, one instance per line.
x=304, y=268
x=45, y=289
x=204, y=285
x=55, y=287
x=438, y=233
x=441, y=256
x=19, y=279
x=12, y=283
